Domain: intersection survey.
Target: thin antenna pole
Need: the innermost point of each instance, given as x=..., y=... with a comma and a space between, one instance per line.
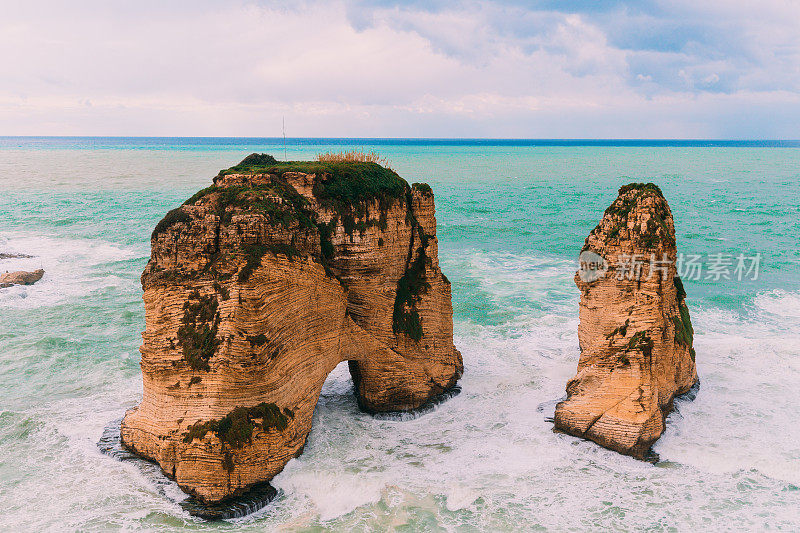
x=283, y=119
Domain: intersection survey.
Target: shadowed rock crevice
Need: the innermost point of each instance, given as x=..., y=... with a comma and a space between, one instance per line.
x=635, y=333
x=257, y=287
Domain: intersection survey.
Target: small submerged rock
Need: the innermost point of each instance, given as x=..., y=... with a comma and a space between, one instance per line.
x=20, y=278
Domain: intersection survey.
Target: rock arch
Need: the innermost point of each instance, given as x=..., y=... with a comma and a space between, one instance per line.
x=257, y=287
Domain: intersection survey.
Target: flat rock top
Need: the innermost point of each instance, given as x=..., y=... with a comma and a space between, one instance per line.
x=21, y=277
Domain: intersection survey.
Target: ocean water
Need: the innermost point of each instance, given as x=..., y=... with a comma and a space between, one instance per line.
x=512, y=218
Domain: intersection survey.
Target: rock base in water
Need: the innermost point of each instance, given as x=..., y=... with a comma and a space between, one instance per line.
x=253, y=500
x=423, y=409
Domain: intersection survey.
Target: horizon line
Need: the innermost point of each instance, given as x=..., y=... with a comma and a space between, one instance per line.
x=534, y=139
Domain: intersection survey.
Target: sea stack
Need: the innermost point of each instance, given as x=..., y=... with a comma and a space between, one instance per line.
x=635, y=334
x=257, y=287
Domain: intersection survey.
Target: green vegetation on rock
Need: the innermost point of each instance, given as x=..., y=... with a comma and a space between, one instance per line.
x=172, y=217
x=197, y=335
x=254, y=252
x=640, y=341
x=255, y=160
x=277, y=201
x=684, y=332
x=222, y=290
x=345, y=187
x=642, y=187
x=236, y=428
x=405, y=317
x=681, y=292
x=622, y=330
x=656, y=230
x=424, y=188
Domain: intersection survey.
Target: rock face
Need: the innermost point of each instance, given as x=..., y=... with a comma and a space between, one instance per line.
x=257, y=287
x=635, y=334
x=20, y=278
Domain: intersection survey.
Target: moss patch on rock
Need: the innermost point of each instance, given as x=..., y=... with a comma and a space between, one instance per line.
x=639, y=341
x=656, y=230
x=255, y=252
x=345, y=187
x=236, y=428
x=197, y=335
x=684, y=332
x=410, y=287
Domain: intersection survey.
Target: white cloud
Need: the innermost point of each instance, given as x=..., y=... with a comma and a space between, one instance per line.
x=482, y=69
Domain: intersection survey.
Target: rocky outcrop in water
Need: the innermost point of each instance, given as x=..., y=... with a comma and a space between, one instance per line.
x=635, y=334
x=20, y=278
x=257, y=287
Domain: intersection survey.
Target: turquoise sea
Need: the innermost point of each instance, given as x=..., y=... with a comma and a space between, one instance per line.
x=512, y=217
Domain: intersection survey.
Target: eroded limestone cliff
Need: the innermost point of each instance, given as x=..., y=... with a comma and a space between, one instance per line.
x=635, y=334
x=257, y=287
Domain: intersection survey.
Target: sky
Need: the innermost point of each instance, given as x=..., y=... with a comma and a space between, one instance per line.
x=698, y=69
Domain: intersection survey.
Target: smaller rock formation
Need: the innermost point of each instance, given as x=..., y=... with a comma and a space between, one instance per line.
x=20, y=278
x=635, y=334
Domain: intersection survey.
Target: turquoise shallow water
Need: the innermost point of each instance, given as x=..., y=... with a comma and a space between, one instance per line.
x=512, y=218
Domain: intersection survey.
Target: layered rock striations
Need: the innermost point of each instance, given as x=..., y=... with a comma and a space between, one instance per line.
x=257, y=287
x=635, y=334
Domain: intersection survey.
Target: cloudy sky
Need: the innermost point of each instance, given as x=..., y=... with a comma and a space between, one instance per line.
x=546, y=69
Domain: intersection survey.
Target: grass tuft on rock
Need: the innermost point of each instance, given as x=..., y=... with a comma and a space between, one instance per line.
x=172, y=217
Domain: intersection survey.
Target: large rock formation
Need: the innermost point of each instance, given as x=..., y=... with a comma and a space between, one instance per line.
x=257, y=287
x=635, y=334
